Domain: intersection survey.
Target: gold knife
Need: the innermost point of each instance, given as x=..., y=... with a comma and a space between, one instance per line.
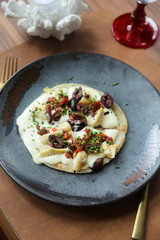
x=140, y=221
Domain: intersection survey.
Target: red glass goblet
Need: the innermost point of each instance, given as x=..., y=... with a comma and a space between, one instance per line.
x=135, y=29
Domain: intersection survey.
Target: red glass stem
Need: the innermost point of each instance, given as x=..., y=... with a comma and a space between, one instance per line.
x=138, y=16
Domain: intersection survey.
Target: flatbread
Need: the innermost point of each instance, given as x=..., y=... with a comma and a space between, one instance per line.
x=54, y=128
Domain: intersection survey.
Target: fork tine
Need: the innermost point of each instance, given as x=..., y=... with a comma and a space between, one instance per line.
x=7, y=70
x=4, y=71
x=13, y=67
x=10, y=67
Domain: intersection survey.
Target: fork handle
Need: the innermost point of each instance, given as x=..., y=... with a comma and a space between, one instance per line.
x=140, y=221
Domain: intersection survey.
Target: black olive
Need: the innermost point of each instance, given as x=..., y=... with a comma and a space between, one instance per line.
x=77, y=94
x=76, y=125
x=84, y=108
x=72, y=103
x=77, y=121
x=55, y=141
x=92, y=148
x=107, y=100
x=57, y=115
x=97, y=165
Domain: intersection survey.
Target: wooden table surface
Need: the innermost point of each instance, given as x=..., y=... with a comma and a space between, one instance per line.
x=12, y=36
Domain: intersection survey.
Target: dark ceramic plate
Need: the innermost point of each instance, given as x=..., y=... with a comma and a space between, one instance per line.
x=133, y=166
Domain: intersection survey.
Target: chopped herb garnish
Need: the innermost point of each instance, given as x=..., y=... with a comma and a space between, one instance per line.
x=44, y=130
x=64, y=111
x=110, y=143
x=116, y=83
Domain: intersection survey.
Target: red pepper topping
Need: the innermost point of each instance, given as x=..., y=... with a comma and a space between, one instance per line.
x=68, y=155
x=62, y=101
x=91, y=141
x=54, y=129
x=42, y=131
x=66, y=135
x=96, y=105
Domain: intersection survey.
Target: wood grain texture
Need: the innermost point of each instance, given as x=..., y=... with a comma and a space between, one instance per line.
x=2, y=235
x=12, y=35
x=7, y=230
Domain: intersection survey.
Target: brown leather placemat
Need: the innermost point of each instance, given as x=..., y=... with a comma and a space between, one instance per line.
x=7, y=230
x=37, y=219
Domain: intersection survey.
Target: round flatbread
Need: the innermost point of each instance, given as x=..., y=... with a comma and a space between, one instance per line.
x=73, y=128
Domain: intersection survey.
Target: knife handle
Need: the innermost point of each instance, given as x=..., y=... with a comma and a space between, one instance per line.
x=140, y=220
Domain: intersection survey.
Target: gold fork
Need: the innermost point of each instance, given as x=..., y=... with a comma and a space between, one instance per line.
x=10, y=67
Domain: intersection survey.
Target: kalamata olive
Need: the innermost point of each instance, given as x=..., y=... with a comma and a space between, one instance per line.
x=92, y=148
x=53, y=117
x=78, y=116
x=55, y=141
x=97, y=164
x=57, y=115
x=77, y=94
x=84, y=108
x=77, y=121
x=78, y=126
x=107, y=100
x=72, y=103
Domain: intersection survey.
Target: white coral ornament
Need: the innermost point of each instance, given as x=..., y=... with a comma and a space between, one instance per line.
x=45, y=18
